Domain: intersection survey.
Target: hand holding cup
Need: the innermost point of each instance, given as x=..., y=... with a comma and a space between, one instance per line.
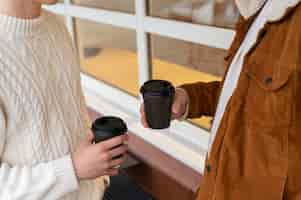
x=103, y=151
x=153, y=110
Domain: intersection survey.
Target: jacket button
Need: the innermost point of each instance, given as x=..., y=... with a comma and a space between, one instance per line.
x=268, y=80
x=208, y=168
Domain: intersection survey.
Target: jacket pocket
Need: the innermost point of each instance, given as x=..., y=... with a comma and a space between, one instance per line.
x=269, y=95
x=270, y=78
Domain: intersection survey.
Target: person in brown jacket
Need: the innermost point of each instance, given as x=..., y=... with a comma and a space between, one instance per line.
x=255, y=150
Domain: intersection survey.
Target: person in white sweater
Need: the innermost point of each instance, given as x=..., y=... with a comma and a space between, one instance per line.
x=45, y=140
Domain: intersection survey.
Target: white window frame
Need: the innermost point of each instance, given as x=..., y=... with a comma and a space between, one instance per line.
x=183, y=141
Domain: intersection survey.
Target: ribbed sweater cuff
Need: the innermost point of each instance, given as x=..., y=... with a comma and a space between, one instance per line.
x=65, y=174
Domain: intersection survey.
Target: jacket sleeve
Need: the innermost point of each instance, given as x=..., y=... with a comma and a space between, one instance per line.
x=203, y=98
x=47, y=181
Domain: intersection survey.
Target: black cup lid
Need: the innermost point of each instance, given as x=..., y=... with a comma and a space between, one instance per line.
x=110, y=124
x=161, y=87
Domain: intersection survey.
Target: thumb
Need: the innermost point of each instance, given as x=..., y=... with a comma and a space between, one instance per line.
x=176, y=108
x=89, y=138
x=176, y=111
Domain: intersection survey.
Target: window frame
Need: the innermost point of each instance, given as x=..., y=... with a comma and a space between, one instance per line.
x=183, y=141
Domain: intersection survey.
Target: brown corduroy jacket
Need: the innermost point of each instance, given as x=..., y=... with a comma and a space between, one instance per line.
x=256, y=154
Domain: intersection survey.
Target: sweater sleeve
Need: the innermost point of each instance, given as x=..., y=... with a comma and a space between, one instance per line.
x=47, y=181
x=203, y=98
x=84, y=110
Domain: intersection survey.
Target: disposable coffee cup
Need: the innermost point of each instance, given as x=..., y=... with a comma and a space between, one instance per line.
x=106, y=128
x=158, y=96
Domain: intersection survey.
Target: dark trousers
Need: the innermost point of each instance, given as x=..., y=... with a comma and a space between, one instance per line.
x=122, y=187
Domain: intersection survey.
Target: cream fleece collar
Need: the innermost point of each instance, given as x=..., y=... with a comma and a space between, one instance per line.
x=248, y=8
x=280, y=7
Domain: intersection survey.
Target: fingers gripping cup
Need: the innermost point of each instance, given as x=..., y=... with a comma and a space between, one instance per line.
x=105, y=128
x=158, y=96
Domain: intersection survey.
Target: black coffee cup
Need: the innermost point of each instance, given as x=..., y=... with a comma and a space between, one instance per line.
x=105, y=128
x=158, y=96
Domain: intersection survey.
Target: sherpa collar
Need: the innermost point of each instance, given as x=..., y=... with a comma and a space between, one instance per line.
x=280, y=8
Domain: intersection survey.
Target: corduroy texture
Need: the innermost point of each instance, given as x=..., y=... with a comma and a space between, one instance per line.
x=256, y=154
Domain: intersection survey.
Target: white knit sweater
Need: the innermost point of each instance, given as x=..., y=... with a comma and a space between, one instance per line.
x=43, y=115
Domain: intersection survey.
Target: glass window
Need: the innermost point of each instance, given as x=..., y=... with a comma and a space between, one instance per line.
x=183, y=62
x=116, y=5
x=109, y=54
x=221, y=13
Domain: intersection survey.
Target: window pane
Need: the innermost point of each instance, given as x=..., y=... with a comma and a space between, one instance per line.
x=183, y=62
x=116, y=5
x=109, y=54
x=221, y=13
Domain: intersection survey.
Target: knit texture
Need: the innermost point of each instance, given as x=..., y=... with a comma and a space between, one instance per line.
x=43, y=115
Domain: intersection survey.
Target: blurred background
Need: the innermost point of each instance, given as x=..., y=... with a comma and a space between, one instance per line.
x=123, y=43
x=105, y=48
